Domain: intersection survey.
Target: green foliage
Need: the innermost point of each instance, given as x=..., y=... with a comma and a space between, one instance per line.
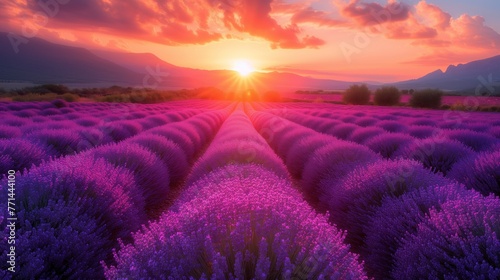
x=143, y=97
x=357, y=95
x=30, y=97
x=387, y=96
x=42, y=89
x=427, y=98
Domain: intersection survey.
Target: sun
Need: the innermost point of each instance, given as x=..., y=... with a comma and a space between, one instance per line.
x=243, y=67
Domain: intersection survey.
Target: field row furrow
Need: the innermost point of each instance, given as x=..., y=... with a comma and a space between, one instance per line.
x=23, y=146
x=241, y=211
x=400, y=216
x=80, y=206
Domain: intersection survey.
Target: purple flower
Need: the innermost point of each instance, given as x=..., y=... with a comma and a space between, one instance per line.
x=19, y=154
x=353, y=201
x=73, y=209
x=169, y=152
x=388, y=143
x=480, y=172
x=399, y=216
x=475, y=140
x=240, y=221
x=332, y=162
x=439, y=155
x=364, y=134
x=461, y=240
x=151, y=174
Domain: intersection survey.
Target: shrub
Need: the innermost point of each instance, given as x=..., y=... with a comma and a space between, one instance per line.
x=179, y=137
x=88, y=121
x=342, y=131
x=366, y=121
x=495, y=131
x=61, y=141
x=301, y=150
x=422, y=131
x=59, y=103
x=7, y=132
x=475, y=140
x=357, y=95
x=354, y=200
x=120, y=130
x=169, y=152
x=480, y=172
x=387, y=144
x=392, y=126
x=364, y=134
x=151, y=174
x=399, y=216
x=19, y=154
x=462, y=240
x=236, y=151
x=387, y=96
x=26, y=113
x=242, y=222
x=332, y=162
x=428, y=98
x=439, y=155
x=70, y=97
x=73, y=210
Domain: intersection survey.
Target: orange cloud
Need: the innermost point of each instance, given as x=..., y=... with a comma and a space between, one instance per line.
x=309, y=15
x=171, y=22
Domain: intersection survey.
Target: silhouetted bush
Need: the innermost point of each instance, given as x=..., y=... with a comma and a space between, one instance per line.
x=69, y=97
x=357, y=95
x=387, y=96
x=428, y=98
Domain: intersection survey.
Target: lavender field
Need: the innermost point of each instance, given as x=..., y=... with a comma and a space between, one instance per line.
x=236, y=190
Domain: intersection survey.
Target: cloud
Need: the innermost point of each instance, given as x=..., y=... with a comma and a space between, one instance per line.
x=433, y=15
x=466, y=32
x=366, y=14
x=470, y=31
x=172, y=22
x=410, y=29
x=309, y=15
x=253, y=17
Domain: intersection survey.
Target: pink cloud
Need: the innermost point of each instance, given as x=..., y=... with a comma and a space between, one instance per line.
x=173, y=22
x=366, y=14
x=309, y=15
x=470, y=31
x=410, y=29
x=433, y=15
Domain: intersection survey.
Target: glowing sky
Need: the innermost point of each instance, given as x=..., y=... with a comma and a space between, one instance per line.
x=351, y=40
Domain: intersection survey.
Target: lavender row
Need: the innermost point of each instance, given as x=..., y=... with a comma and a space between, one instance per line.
x=437, y=150
x=385, y=207
x=240, y=217
x=78, y=207
x=55, y=139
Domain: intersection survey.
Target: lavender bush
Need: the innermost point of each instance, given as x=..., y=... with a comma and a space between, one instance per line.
x=399, y=216
x=462, y=240
x=480, y=172
x=353, y=201
x=251, y=225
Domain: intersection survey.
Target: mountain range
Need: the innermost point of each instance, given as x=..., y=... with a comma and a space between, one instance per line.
x=40, y=61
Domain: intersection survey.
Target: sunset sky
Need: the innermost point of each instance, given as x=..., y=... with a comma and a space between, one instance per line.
x=339, y=39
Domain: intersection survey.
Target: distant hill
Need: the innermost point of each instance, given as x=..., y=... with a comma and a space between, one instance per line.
x=40, y=61
x=466, y=78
